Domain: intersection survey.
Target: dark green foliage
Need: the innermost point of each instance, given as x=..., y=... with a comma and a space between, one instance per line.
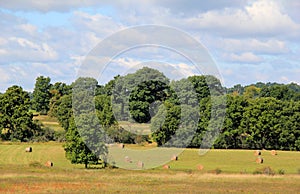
x=41, y=95
x=64, y=110
x=85, y=138
x=104, y=110
x=124, y=86
x=257, y=116
x=15, y=119
x=57, y=91
x=281, y=171
x=76, y=149
x=206, y=85
x=143, y=96
x=120, y=135
x=165, y=122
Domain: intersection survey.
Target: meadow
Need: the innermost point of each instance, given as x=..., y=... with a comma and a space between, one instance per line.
x=23, y=172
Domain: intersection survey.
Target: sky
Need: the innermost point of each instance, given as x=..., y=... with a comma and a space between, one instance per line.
x=249, y=40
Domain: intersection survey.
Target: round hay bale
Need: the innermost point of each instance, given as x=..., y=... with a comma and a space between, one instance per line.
x=273, y=152
x=121, y=145
x=257, y=153
x=200, y=167
x=174, y=158
x=166, y=166
x=127, y=159
x=259, y=160
x=49, y=164
x=28, y=149
x=140, y=164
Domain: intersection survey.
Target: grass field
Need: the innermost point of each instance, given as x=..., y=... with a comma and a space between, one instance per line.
x=48, y=121
x=237, y=166
x=137, y=128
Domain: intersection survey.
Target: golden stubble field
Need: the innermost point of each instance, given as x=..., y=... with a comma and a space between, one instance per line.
x=18, y=175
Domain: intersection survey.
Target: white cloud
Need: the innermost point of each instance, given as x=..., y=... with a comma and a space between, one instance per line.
x=247, y=57
x=261, y=18
x=271, y=46
x=238, y=32
x=97, y=23
x=20, y=49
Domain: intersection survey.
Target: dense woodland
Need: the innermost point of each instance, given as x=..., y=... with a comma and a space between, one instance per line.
x=257, y=116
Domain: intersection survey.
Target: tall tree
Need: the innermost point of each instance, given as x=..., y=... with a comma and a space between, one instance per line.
x=41, y=94
x=85, y=139
x=124, y=85
x=15, y=119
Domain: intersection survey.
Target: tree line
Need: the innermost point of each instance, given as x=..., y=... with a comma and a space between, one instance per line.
x=257, y=116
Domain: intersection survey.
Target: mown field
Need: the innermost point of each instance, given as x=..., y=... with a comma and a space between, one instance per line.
x=19, y=175
x=48, y=121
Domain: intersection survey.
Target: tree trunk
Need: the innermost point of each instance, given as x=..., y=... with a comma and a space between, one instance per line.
x=86, y=165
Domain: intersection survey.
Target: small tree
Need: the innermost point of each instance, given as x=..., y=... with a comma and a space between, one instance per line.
x=78, y=151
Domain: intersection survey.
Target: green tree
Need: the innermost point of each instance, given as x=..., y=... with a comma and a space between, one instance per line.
x=206, y=85
x=64, y=111
x=251, y=92
x=124, y=85
x=261, y=123
x=289, y=136
x=231, y=136
x=143, y=97
x=41, y=95
x=85, y=139
x=15, y=119
x=76, y=149
x=104, y=110
x=57, y=91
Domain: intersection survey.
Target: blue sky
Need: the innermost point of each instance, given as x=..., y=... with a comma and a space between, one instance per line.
x=250, y=40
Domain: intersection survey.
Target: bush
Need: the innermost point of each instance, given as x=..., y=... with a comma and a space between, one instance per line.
x=119, y=134
x=281, y=171
x=265, y=170
x=218, y=171
x=60, y=136
x=44, y=135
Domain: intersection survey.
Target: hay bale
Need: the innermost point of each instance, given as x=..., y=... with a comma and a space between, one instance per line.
x=127, y=159
x=259, y=160
x=174, y=158
x=200, y=167
x=166, y=166
x=49, y=164
x=257, y=153
x=28, y=149
x=121, y=145
x=140, y=164
x=273, y=152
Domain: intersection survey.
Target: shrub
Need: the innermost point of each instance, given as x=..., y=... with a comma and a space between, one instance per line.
x=281, y=171
x=266, y=170
x=218, y=171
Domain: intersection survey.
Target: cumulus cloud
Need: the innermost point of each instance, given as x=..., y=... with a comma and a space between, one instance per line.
x=271, y=46
x=238, y=32
x=20, y=49
x=263, y=18
x=247, y=57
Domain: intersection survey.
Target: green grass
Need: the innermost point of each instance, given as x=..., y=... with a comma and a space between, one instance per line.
x=48, y=121
x=21, y=173
x=138, y=128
